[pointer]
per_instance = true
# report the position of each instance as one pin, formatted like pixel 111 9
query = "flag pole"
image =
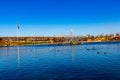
pixel 17 33
pixel 18 50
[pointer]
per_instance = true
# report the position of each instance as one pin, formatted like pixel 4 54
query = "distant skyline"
pixel 57 17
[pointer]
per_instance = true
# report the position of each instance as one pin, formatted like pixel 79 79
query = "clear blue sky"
pixel 57 17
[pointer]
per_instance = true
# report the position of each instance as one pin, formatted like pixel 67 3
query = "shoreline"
pixel 60 40
pixel 63 44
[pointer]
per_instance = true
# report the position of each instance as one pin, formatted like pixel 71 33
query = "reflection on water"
pixel 72 54
pixel 18 52
pixel 79 62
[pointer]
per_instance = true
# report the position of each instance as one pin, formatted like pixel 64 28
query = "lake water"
pixel 100 61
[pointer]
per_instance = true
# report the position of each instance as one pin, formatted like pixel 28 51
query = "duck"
pixel 105 52
pixel 87 49
pixel 98 52
pixel 93 48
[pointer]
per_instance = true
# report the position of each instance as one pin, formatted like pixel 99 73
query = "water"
pixel 80 62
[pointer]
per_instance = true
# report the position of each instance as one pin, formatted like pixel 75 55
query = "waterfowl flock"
pixel 94 48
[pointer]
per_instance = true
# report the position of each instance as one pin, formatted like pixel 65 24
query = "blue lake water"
pixel 100 61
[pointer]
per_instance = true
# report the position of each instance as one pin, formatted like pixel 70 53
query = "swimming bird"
pixel 58 50
pixel 93 48
pixel 98 52
pixel 105 52
pixel 87 48
pixel 30 50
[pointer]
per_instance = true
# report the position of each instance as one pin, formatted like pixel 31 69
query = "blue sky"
pixel 57 17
